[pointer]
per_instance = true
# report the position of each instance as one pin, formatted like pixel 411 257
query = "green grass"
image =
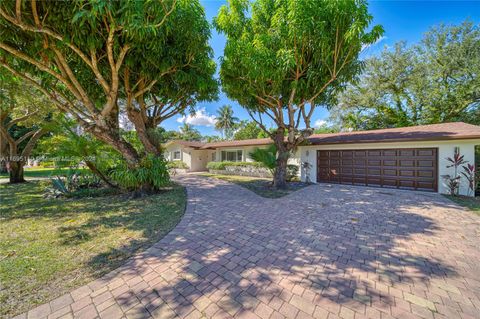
pixel 472 203
pixel 260 186
pixel 50 246
pixel 39 172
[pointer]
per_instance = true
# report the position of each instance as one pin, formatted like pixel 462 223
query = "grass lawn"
pixel 472 203
pixel 50 246
pixel 40 172
pixel 261 186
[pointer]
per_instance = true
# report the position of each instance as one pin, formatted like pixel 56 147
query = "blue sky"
pixel 402 20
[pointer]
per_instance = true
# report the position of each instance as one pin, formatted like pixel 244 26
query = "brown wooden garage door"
pixel 414 168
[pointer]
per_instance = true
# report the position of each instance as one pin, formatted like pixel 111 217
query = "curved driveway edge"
pixel 326 251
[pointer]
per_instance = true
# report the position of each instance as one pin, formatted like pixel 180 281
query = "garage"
pixel 405 168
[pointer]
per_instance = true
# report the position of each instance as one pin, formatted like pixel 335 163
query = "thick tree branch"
pixel 32 142
pixel 79 114
pixel 44 30
pixel 167 13
pixel 20 119
pixel 24 137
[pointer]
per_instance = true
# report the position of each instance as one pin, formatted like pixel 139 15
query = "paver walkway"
pixel 323 252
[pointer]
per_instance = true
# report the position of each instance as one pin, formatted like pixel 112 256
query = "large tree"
pixel 247 130
pixel 92 58
pixel 284 58
pixel 434 81
pixel 24 117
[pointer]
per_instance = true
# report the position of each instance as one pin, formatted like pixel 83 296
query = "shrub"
pixel 292 172
pixel 453 181
pixel 222 165
pixel 266 156
pixel 47 164
pixel 70 182
pixel 152 173
pixel 177 164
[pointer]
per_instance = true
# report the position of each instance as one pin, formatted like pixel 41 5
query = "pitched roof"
pixel 443 131
pixel 250 142
pixel 192 144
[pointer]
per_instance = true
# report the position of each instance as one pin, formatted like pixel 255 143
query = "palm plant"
pixel 226 121
pixel 266 156
pixel 189 133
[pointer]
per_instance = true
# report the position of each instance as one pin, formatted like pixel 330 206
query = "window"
pixel 177 155
pixel 232 156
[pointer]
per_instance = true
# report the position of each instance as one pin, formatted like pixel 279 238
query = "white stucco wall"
pixel 185 154
pixel 445 149
pixel 199 160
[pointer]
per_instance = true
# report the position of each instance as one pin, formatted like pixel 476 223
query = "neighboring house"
pixel 406 158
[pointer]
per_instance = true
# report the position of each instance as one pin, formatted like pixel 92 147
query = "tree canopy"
pixel 433 81
pixel 25 115
pixel 93 57
pixel 284 58
pixel 247 130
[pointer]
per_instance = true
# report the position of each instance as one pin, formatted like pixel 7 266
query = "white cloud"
pixel 201 117
pixel 382 38
pixel 319 123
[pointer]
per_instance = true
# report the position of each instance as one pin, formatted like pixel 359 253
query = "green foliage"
pixel 72 181
pixel 282 59
pixel 59 185
pixel 292 172
pixel 211 138
pixel 122 54
pixel 177 164
pixel 47 164
pixel 433 81
pixel 189 133
pixel 247 130
pixel 266 156
pixel 289 48
pixel 325 129
pixel 151 172
pixel 226 122
pixel 222 165
pixel 25 117
pixel 70 241
pixel 453 181
pixel 68 147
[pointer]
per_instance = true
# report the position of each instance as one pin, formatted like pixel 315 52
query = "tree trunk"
pixel 142 128
pixel 280 174
pixel 16 172
pixel 125 149
pixel 97 172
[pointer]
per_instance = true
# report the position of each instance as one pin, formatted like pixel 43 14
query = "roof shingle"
pixel 443 131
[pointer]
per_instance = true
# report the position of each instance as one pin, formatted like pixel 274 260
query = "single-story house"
pixel 412 158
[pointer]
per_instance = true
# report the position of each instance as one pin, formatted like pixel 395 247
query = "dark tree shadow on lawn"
pixel 252 251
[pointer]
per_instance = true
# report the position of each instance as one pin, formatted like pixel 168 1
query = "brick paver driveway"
pixel 323 252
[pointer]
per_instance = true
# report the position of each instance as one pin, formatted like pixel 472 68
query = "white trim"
pixel 179 157
pixel 236 150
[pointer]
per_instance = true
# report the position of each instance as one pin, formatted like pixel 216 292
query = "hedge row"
pixel 177 164
pixel 221 165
